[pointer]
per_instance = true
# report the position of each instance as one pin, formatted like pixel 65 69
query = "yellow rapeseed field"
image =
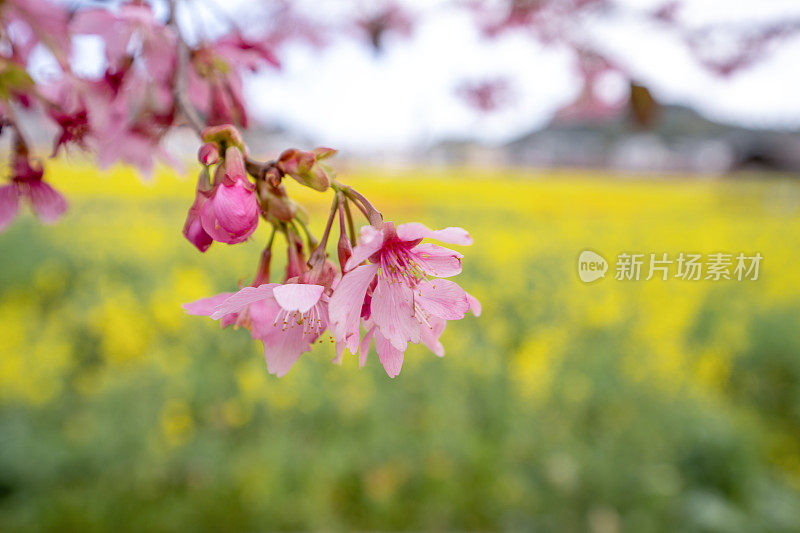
pixel 617 405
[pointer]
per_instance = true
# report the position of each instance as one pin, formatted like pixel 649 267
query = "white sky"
pixel 347 96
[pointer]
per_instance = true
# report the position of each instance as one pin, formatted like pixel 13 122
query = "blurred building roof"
pixel 678 140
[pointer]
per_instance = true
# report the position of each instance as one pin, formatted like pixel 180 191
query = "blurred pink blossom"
pixel 132 26
pixel 26 183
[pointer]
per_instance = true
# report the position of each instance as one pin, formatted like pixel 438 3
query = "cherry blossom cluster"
pixel 152 82
pixel 389 285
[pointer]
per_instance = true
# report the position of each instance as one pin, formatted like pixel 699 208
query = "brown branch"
pixel 180 94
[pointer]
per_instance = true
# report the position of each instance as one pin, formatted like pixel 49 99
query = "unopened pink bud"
pixel 295 260
pixel 344 249
pixel 324 153
pixel 234 165
pixel 231 213
pixel 262 275
pixel 303 167
pixel 193 227
pixel 208 154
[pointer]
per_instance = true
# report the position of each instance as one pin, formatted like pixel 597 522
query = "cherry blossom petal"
pixel 340 346
pixel 370 241
pixel 474 305
pixel 206 306
pixel 262 315
pixel 235 208
pixel 158 54
pixel 346 303
pixel 234 165
pixel 283 348
pixel 242 299
pixel 391 358
pixel 429 335
pixel 437 261
pixel 193 231
pixel 93 22
pixel 298 296
pixel 414 231
pixel 9 204
pixel 231 216
pixel 47 203
pixel 363 350
pixel 442 298
pixel 393 313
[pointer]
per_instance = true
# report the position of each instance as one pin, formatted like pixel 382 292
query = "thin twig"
pixel 319 254
pixel 312 242
pixel 351 229
pixel 180 94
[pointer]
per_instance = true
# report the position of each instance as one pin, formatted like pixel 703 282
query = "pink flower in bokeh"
pixel 26 183
pixel 46 22
pixel 215 83
pixel 132 145
pixel 74 128
pixel 286 318
pixel 230 214
pixel 242 53
pixel 120 116
pixel 397 291
pixel 133 24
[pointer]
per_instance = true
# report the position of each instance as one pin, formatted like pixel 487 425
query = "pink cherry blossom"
pixel 243 53
pixel 47 24
pixel 397 289
pixel 74 128
pixel 230 214
pixel 133 146
pixel 121 116
pixel 286 318
pixel 215 83
pixel 26 183
pixel 133 24
pixel 390 357
pixel 207 306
